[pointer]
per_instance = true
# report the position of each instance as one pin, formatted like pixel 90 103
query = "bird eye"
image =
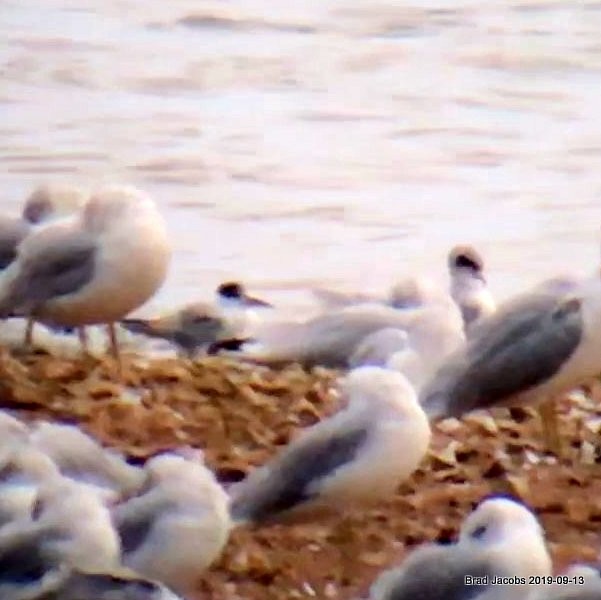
pixel 479 532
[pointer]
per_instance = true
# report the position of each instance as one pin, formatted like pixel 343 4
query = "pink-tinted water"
pixel 335 143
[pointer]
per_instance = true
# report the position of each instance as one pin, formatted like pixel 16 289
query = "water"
pixel 339 144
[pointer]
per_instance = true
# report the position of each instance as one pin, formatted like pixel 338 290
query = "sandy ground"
pixel 240 415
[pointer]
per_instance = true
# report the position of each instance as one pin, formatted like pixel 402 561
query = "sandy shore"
pixel 240 415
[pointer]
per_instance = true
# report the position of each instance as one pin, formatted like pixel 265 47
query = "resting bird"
pixel 70 527
pixel 80 457
pixel 46 202
pixel 361 453
pixel 468 285
pixel 23 470
pixel 78 585
pixel 177 525
pixel 196 326
pixel 500 538
pixel 331 339
pixel 534 348
pixel 93 269
pixel 190 329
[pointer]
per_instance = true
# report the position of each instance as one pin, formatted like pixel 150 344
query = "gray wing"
pixel 88 586
pixel 23 559
pixel 61 269
pixel 331 339
pixel 135 520
pixel 12 232
pixel 190 336
pixel 508 353
pixel 435 573
pixel 293 475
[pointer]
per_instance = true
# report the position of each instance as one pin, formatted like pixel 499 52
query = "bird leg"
pixel 28 339
pixel 547 412
pixel 82 334
pixel 343 536
pixel 115 347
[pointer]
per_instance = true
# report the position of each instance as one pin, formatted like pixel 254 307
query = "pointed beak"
pixel 252 301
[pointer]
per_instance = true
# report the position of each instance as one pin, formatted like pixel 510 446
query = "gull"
pixel 70 526
pixel 360 454
pixel 536 347
pixel 71 584
pixel 46 203
pixel 468 285
pixel 501 538
pixel 177 525
pixel 23 469
pixel 53 201
pixel 93 269
pixel 80 457
pixel 330 339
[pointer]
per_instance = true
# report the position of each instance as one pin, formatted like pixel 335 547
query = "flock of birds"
pixel 77 522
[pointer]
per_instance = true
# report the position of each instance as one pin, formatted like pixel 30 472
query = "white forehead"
pixel 501 516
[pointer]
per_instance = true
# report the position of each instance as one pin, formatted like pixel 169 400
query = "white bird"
pixel 361 453
pixel 93 269
pixel 78 585
pixel 52 201
pixel 71 527
pixel 79 523
pixel 534 348
pixel 23 469
pixel 330 339
pixel 501 538
pixel 46 203
pixel 178 524
pixel 469 288
pixel 80 457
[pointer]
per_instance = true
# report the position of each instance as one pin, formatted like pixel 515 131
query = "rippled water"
pixel 328 143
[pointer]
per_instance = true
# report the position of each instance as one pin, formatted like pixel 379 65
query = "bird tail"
pixel 142 326
pixel 435 404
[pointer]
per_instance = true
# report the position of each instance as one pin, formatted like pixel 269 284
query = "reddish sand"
pixel 240 415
